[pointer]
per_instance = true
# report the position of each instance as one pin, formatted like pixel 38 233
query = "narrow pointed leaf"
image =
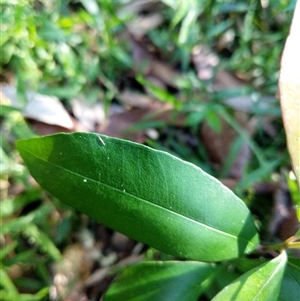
pixel 261 283
pixel 157 280
pixel 148 195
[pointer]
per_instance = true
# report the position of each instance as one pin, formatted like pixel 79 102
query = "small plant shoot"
pixel 159 200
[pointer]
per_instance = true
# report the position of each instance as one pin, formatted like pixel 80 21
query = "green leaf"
pixel 224 276
pixel 148 195
pixel 168 281
pixel 261 283
pixel 290 288
pixel 9 290
pixel 7 249
pixel 159 93
pixel 42 240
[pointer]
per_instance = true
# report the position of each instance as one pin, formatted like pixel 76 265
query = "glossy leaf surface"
pixel 157 280
pixel 261 283
pixel 290 288
pixel 148 195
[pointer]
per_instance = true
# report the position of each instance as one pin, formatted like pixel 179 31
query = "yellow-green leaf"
pixel 259 284
pixel 289 84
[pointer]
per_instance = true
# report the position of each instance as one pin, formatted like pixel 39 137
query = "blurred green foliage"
pixel 64 47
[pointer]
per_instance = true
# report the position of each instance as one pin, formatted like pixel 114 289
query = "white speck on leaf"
pixel 100 139
pixel 84 180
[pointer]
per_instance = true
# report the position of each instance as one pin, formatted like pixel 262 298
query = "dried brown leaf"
pixel 146 63
pixel 219 145
pixel 42 108
pixel 70 273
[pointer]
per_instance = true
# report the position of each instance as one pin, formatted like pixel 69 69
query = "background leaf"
pixel 149 195
pixel 168 281
pixel 260 283
pixel 289 84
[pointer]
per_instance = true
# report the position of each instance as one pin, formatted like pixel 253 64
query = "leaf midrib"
pixel 261 290
pixel 140 199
